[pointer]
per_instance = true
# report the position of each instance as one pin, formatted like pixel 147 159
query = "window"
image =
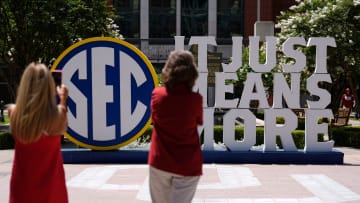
pixel 194 18
pixel 162 20
pixel 128 19
pixel 230 18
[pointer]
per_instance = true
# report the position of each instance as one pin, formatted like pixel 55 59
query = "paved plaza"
pixel 268 183
pixel 221 183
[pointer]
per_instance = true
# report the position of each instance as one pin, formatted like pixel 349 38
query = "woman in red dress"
pixel 175 155
pixel 37 123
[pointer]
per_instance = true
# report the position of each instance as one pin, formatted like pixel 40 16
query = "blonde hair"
pixel 180 68
pixel 35 107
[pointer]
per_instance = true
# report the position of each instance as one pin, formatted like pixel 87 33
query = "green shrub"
pixel 6 140
pixel 6 120
pixel 280 120
pixel 343 136
pixel 347 136
pixel 298 136
pixel 260 115
pixel 301 124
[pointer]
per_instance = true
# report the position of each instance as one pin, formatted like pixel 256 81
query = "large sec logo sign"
pixel 110 83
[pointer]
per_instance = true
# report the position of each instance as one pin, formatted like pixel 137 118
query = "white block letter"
pixel 289 51
pixel 236 62
pixel 253 80
pixel 128 69
pixel 282 90
pixel 208 129
pixel 313 88
pixel 78 120
pixel 312 129
pixel 221 88
pixel 271 130
pixel 202 50
pixel 201 87
pixel 103 93
pixel 321 44
pixel 270 54
pixel 249 130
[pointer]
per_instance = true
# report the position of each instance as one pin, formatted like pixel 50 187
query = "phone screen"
pixel 57 77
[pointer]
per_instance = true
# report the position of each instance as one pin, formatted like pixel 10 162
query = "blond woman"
pixel 37 123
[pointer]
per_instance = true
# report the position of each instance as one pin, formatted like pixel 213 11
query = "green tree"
pixel 328 18
pixel 40 30
pixel 267 78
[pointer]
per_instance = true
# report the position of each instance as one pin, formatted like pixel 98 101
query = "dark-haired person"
pixel 175 155
pixel 347 99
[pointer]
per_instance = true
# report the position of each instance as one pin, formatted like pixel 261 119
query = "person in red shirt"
pixel 347 99
pixel 37 123
pixel 175 155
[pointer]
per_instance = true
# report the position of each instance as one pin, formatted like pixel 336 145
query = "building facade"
pixel 152 24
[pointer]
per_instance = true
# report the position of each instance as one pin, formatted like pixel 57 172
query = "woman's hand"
pixel 10 108
pixel 63 93
pixel 60 124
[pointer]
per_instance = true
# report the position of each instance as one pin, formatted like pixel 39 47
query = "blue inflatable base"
pixel 129 156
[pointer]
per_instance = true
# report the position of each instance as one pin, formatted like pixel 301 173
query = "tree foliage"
pixel 40 30
pixel 339 19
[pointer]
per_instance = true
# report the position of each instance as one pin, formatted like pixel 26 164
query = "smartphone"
pixel 57 75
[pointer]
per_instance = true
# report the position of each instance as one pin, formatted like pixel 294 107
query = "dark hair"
pixel 180 68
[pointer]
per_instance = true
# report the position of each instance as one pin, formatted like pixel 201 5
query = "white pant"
pixel 168 187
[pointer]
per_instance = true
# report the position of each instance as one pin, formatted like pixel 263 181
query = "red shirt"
pixel 38 172
pixel 347 100
pixel 175 145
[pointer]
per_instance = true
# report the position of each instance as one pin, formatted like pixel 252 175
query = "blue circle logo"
pixel 110 83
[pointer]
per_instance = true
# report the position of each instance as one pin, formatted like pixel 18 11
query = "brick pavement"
pixel 246 183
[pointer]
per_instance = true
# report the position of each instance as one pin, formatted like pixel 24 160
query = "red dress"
pixel 175 145
pixel 38 172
